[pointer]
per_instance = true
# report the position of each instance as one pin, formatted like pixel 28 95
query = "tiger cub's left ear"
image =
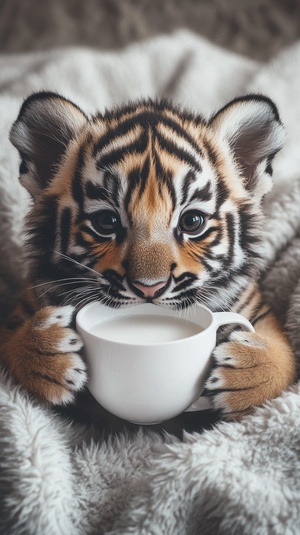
pixel 46 124
pixel 252 128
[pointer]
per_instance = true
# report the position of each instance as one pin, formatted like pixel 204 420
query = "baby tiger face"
pixel 147 202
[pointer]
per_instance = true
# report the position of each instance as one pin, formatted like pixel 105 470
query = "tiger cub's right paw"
pixel 44 357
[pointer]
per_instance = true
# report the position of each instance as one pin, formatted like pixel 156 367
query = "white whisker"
pixel 71 280
pixel 70 259
pixel 76 297
pixel 80 291
pixel 55 286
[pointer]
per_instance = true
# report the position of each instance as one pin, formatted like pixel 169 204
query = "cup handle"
pixel 220 318
pixel 224 318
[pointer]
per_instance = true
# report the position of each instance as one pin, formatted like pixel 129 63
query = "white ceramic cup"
pixel 147 383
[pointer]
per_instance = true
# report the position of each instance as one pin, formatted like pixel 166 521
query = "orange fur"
pixel 145 166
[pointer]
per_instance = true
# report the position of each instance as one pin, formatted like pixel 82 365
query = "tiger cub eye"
pixel 106 222
pixel 191 221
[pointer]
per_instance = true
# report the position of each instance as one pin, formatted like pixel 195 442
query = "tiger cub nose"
pixel 149 290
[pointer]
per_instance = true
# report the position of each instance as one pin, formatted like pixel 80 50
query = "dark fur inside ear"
pixel 46 124
pixel 252 128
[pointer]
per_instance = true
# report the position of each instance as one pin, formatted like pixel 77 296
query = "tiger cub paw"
pixel 47 363
pixel 243 377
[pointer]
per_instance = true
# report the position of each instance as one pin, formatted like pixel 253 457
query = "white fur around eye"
pixel 93 205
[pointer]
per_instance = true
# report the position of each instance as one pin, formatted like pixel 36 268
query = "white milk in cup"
pixel 147 364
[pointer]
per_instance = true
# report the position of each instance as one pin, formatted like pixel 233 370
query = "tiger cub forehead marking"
pixel 154 154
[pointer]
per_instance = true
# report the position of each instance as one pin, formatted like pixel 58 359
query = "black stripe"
pixel 244 304
pixel 138 146
pixel 181 132
pixel 222 191
pixel 77 187
pixel 112 292
pixel 146 119
pixel 203 194
pixel 180 153
pixel 178 236
pixel 189 179
pixel 269 168
pixel 137 178
pixel 134 181
pixel 183 285
pixel 212 155
pixel 217 239
pixel 221 279
pixel 205 264
pixel 96 192
pixel 210 256
pixel 121 235
pixel 64 229
pixel 250 226
pixel 231 231
pixel 261 316
pixel 144 174
pixel 42 228
pixel 184 299
pixel 109 190
pixel 112 185
pixel 114 278
pixel 164 176
pixel 125 127
pixel 205 234
pixel 185 275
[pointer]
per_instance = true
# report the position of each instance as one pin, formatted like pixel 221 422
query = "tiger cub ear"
pixel 252 128
pixel 46 124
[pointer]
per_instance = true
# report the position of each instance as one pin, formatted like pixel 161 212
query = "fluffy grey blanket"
pixel 238 478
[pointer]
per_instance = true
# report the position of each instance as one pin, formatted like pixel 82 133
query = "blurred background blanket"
pixel 63 477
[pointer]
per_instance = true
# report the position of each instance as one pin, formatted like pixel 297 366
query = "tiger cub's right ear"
pixel 46 124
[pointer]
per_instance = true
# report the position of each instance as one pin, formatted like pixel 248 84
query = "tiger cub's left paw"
pixel 244 376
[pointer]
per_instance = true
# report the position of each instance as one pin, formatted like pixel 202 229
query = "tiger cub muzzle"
pixel 149 269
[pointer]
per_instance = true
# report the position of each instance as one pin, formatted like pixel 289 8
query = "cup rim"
pixel 141 344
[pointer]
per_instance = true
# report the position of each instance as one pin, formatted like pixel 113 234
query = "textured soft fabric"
pixel 238 478
pixel 259 28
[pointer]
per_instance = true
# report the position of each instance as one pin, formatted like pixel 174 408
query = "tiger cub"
pixel 146 203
